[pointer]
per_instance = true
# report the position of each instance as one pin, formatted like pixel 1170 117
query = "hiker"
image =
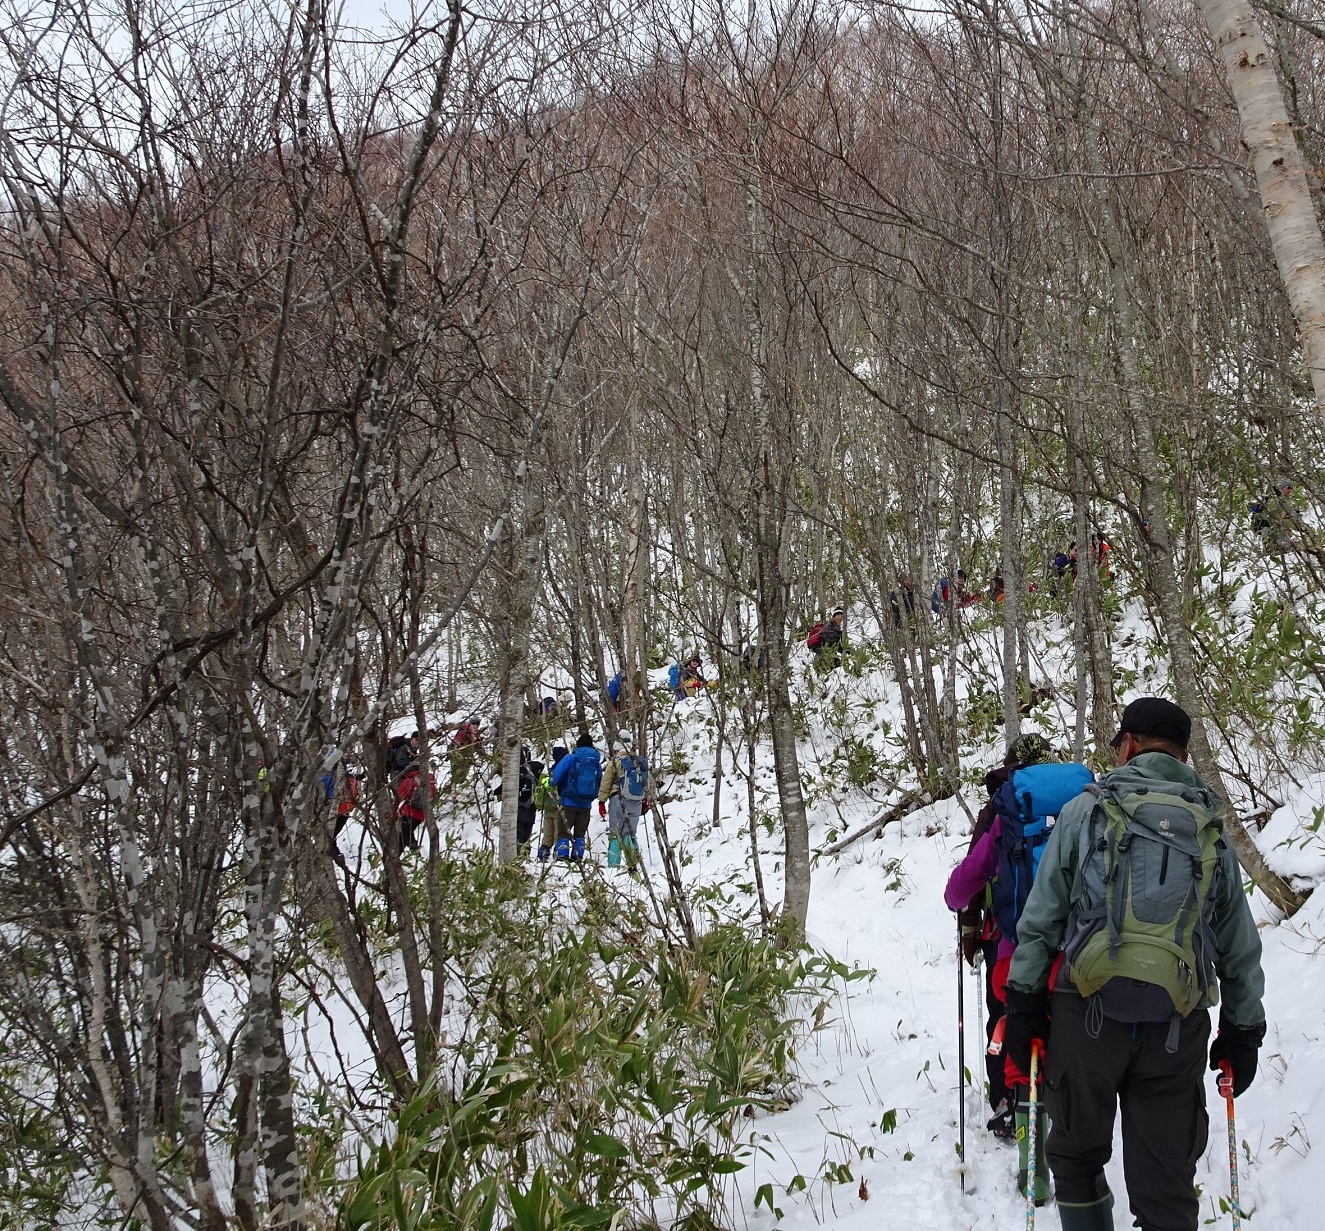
pixel 401 753
pixel 341 785
pixel 577 777
pixel 410 805
pixel 949 592
pixel 623 798
pixel 829 638
pixel 1116 969
pixel 967 893
pixel 530 772
pixel 1026 794
pixel 687 678
pixel 614 689
pixel 547 801
pixel 1100 549
pixel 903 596
pixel 466 747
pixel 1065 562
pixel 997 590
pixel 754 658
pixel 1272 517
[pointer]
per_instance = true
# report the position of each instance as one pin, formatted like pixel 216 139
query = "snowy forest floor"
pixel 880 1104
pixel 872 1140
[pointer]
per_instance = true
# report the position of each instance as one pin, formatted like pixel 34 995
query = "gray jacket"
pixel 1042 924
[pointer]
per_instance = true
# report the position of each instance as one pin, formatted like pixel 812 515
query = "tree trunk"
pixel 1158 544
pixel 527 554
pixel 770 514
pixel 1281 174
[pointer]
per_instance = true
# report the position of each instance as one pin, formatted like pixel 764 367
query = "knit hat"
pixel 585 740
pixel 1029 749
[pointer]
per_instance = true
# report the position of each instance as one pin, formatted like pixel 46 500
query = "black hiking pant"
pixel 524 824
pixel 1094 1066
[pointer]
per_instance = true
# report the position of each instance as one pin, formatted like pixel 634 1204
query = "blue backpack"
pixel 634 777
pixel 585 777
pixel 1028 802
pixel 674 678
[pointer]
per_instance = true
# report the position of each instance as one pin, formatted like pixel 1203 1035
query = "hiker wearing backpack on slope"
pixel 546 800
pixel 968 892
pixel 692 676
pixel 525 810
pixel 1272 517
pixel 410 805
pixel 1132 969
pixel 466 748
pixel 578 777
pixel 341 791
pixel 622 798
pixel 827 640
pixel 1003 862
pixel 401 753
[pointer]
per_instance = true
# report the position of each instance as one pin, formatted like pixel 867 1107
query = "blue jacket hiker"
pixel 578 777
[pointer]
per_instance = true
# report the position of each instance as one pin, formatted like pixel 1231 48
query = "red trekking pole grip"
pixel 1225 1082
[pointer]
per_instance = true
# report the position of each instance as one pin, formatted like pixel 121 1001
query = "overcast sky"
pixel 376 14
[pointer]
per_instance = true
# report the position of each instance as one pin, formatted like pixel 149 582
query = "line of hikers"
pixel 1110 917
pixel 566 790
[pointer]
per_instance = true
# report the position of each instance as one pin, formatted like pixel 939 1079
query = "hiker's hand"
pixel 970 945
pixel 646 805
pixel 602 808
pixel 1239 1045
pixel 1028 1023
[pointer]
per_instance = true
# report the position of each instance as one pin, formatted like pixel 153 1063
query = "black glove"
pixel 1028 1020
pixel 1238 1045
pixel 970 944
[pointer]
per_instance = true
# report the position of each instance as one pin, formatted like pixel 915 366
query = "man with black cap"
pixel 1117 1038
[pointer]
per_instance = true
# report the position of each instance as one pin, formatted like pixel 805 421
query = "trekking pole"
pixel 1032 1133
pixel 1226 1089
pixel 961 1060
pixel 978 967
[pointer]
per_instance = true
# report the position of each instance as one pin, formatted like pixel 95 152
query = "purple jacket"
pixel 969 878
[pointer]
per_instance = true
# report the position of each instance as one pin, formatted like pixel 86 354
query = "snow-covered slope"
pixel 873 1141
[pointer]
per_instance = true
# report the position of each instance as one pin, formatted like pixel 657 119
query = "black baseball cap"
pixel 1156 717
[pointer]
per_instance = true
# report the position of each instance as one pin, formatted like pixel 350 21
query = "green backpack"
pixel 545 793
pixel 1140 935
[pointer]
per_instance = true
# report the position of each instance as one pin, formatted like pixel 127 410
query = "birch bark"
pixel 1281 173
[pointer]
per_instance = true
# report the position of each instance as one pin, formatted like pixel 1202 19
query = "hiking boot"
pixel 544 852
pixel 1042 1193
pixel 577 850
pixel 562 848
pixel 1003 1123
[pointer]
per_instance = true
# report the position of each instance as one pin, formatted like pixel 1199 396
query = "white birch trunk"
pixel 1281 173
